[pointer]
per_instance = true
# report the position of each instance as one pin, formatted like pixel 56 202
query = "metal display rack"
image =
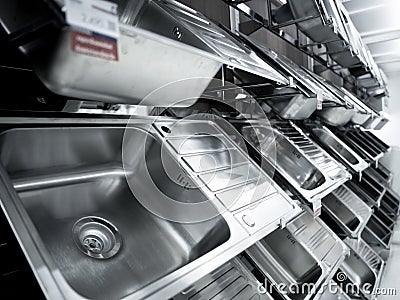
pixel 257 22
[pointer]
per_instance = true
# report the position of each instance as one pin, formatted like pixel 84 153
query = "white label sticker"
pixel 316 207
pixel 320 99
pixel 96 16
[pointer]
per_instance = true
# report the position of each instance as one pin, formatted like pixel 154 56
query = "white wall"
pixel 390 133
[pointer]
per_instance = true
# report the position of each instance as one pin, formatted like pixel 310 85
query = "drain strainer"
pixel 96 237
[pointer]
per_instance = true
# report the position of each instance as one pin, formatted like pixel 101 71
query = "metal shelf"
pixel 257 21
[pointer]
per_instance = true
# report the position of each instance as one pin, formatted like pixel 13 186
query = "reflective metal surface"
pixel 381 176
pixel 364 113
pixel 234 281
pixel 62 174
pixel 355 55
pixel 304 81
pixel 336 116
pixel 364 143
pixel 349 211
pixel 361 111
pixel 337 112
pixel 380 228
pixel 289 105
pixel 326 27
pixel 137 47
pixel 233 53
pixel 180 45
pixel 363 268
pixel 305 252
pixel 96 237
pixel 368 188
pixel 337 148
pixel 390 204
pixel 300 161
pixel 336 293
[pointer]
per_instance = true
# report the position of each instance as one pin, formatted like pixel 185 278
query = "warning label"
pixel 93 45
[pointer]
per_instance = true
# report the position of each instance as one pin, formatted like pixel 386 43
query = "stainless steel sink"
pixel 234 281
pixel 295 167
pixel 91 224
pixel 286 261
pixel 303 164
pixel 378 233
pixel 336 115
pixel 368 188
pixel 180 43
pixel 348 210
pixel 380 175
pixel 288 105
pixel 305 252
pixel 326 26
pixel 103 192
pixel 338 148
pixel 334 292
pixel 390 204
pixel 363 268
pixel 367 145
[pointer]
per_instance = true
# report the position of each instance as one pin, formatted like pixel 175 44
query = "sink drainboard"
pixel 96 237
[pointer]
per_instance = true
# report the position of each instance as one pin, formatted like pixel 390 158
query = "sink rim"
pixel 356 206
pixel 310 195
pixel 325 261
pixel 377 272
pixel 322 266
pixel 55 286
pixel 361 165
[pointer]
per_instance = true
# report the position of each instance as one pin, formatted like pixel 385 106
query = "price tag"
pixel 95 28
pixel 320 99
pixel 291 81
pixel 316 207
pixel 97 16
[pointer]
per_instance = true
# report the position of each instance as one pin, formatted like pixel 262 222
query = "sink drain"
pixel 96 237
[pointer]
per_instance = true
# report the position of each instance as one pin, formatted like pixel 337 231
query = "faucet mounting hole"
pixel 165 129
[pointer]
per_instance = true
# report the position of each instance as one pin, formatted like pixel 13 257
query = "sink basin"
pixel 302 163
pixel 348 210
pixel 286 260
pixel 234 280
pixel 288 160
pixel 363 268
pixel 390 204
pixel 291 256
pixel 338 149
pixel 86 205
pixel 336 116
pixel 335 145
pixel 368 189
pixel 377 233
pixel 343 213
pixel 363 143
pixel 297 166
pixel 54 208
pixel 358 271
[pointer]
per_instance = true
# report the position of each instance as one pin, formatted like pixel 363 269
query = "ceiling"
pixel 378 22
